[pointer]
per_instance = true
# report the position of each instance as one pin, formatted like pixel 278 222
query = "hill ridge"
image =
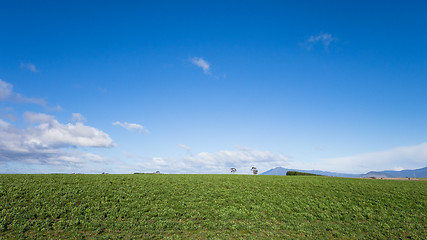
pixel 413 173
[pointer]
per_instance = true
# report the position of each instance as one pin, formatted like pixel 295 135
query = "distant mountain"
pixel 277 171
pixel 416 173
pixel 283 171
pixel 373 174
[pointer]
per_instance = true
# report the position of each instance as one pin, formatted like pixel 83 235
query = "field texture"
pixel 210 206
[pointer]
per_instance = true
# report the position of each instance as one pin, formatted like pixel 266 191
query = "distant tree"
pixel 254 170
pixel 295 173
pixel 233 170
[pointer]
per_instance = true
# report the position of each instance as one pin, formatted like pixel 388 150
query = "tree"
pixel 254 170
pixel 233 170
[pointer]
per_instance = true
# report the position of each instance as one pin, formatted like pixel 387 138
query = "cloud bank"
pixel 242 158
pixel 50 142
pixel 408 157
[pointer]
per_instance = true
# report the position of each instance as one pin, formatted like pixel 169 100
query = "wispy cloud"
pixel 8 113
pixel 408 157
pixel 6 90
pixel 185 147
pixel 202 63
pixel 77 117
pixel 7 94
pixel 29 66
pixel 37 117
pixel 22 99
pixel 324 39
pixel 131 126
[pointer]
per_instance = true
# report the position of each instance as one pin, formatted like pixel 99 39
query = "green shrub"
pixel 295 173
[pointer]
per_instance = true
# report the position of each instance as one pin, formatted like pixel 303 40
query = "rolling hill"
pixel 283 171
pixel 415 173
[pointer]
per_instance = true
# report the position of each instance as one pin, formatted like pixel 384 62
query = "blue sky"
pixel 200 87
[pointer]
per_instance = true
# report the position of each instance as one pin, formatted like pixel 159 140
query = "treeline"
pixel 295 173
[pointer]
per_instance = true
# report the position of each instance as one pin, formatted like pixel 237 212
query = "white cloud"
pixel 7 94
pixel 200 62
pixel 323 38
pixel 29 66
pixel 408 157
pixel 77 117
pixel 50 142
pixel 55 134
pixel 242 158
pixel 131 126
pixel 185 147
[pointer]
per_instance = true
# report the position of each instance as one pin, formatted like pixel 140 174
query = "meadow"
pixel 158 206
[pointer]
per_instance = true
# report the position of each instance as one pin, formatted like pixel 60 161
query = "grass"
pixel 210 206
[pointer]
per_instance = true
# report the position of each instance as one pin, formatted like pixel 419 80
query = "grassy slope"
pixel 207 206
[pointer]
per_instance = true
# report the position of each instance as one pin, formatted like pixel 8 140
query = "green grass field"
pixel 210 206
